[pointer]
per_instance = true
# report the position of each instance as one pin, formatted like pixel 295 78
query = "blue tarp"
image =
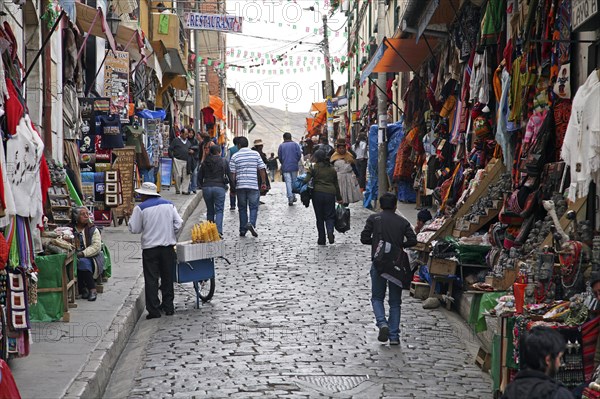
pixel 395 134
pixel 147 114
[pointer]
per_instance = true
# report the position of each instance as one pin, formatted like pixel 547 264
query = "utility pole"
pixel 328 84
pixel 382 178
pixel 197 99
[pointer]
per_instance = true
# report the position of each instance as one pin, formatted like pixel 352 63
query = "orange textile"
pixel 405 165
pixel 216 104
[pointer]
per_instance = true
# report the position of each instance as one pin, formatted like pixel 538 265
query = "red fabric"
pixel 8 386
pixel 208 115
pixel 45 180
pixel 13 107
pixel 589 333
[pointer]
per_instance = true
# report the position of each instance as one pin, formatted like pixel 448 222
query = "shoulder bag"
pixel 390 261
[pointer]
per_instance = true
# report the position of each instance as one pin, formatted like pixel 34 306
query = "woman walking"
pixel 325 193
pixel 213 178
pixel 343 162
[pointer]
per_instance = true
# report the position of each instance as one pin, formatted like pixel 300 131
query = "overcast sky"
pixel 268 28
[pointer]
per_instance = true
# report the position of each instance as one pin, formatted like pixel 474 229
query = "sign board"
pixel 116 82
pixel 218 22
pixel 585 15
pixel 124 159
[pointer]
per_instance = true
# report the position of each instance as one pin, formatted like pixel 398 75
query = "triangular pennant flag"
pixel 294 70
pixel 293 26
pixel 210 62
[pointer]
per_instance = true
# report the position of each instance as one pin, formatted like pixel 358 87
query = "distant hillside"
pixel 270 124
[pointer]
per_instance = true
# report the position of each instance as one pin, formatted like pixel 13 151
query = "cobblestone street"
pixel 291 319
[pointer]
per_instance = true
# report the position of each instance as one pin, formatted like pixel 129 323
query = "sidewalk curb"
pixel 95 375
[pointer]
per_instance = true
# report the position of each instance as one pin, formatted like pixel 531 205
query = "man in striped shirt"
pixel 244 166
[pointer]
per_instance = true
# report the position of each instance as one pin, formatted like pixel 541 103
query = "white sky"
pixel 263 18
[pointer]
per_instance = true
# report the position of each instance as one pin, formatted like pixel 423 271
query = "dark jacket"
pixel 325 179
pixel 179 150
pixel 533 384
pixel 193 159
pixel 394 229
pixel 213 171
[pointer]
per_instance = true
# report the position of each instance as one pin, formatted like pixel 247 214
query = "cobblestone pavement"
pixel 290 319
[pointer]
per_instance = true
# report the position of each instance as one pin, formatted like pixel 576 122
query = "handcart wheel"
pixel 206 289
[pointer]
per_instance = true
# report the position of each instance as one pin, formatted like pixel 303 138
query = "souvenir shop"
pixel 499 134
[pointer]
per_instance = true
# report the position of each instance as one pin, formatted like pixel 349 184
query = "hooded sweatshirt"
pixel 533 384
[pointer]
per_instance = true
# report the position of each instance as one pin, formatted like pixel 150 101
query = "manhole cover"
pixel 334 383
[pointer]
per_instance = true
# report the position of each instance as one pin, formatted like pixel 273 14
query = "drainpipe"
pixel 47 95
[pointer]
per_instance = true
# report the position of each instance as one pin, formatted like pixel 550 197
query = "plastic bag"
pixel 342 219
pixel 298 185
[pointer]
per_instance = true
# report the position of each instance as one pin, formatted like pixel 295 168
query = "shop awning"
pixel 178 82
pixel 318 107
pixel 313 124
pixel 216 104
pixel 398 55
pixel 92 21
pixel 170 60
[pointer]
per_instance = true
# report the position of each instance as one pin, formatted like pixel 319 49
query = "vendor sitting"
pixel 88 244
pixel 423 219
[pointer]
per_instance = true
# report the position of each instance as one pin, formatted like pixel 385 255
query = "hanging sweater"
pixel 581 146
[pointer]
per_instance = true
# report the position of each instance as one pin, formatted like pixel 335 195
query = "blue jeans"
pixel 194 180
pixel 378 288
pixel 215 203
pixel 247 198
pixel 289 178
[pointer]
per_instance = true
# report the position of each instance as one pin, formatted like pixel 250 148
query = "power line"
pixel 263 118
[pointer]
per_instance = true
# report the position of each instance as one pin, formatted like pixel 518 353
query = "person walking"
pixel 272 166
pixel 362 158
pixel 344 164
pixel 326 191
pixel 159 222
pixel 324 145
pixel 289 155
pixel 180 151
pixel 258 147
pixel 244 166
pixel 232 150
pixel 396 230
pixel 213 178
pixel 193 160
pixel 542 349
pixel 88 244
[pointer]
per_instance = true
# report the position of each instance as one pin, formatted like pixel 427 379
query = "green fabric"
pixel 49 306
pixel 487 301
pixel 510 346
pixel 495 366
pixel 107 261
pixel 163 24
pixel 72 192
pixel 13 254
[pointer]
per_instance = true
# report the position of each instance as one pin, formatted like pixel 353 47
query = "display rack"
pixel 67 288
pixel 60 204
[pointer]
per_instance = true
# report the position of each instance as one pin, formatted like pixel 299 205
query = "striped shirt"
pixel 245 164
pixel 158 221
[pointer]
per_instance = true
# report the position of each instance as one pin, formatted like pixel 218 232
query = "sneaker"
pixel 170 312
pixel 295 199
pixel 93 296
pixel 242 234
pixel 232 208
pixel 152 316
pixel 252 230
pixel 177 192
pixel 394 342
pixel 321 242
pixel 291 203
pixel 384 332
pixel 85 294
pixel 331 238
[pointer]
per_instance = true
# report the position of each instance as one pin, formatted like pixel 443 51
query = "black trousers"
pixel 158 264
pixel 85 279
pixel 324 206
pixel 361 165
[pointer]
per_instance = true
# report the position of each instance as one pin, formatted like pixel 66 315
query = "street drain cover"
pixel 334 383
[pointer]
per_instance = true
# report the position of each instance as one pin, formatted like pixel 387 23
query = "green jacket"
pixel 325 179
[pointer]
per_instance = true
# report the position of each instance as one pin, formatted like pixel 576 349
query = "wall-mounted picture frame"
pixel 111 176
pixel 111 199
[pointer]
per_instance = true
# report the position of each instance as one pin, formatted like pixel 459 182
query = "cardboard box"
pixel 443 267
pixel 187 251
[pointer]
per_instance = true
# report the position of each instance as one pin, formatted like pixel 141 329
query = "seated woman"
pixel 88 244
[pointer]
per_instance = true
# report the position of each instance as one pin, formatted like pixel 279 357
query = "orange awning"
pixel 313 125
pixel 399 55
pixel 318 107
pixel 216 104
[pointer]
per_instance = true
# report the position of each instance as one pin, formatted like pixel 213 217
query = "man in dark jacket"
pixel 396 230
pixel 193 160
pixel 542 349
pixel 180 151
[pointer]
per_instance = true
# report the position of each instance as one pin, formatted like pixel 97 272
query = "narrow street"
pixel 291 319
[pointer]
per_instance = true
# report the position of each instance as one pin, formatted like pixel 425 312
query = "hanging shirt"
pixel 13 107
pixel 110 129
pixel 134 136
pixel 581 146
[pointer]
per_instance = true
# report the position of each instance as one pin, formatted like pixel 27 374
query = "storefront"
pixel 498 135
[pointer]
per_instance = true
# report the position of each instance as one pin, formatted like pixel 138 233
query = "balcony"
pixel 170 31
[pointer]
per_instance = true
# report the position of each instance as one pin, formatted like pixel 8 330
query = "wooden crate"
pixel 505 282
pixel 419 290
pixel 483 360
pixel 443 267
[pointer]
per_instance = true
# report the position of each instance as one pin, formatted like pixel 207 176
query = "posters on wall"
pixel 116 82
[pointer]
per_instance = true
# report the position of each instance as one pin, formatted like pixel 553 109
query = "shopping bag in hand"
pixel 342 219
